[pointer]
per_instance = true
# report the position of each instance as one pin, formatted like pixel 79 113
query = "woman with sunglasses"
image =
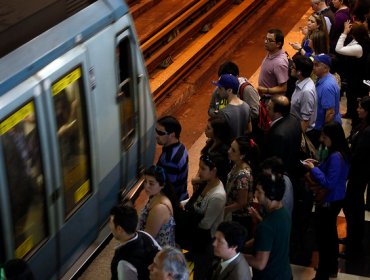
pixel 244 154
pixel 157 217
pixel 208 201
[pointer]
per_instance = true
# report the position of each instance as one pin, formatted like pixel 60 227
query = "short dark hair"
pixel 273 186
pixel 281 104
pixel 303 64
pixel 279 36
pixel 228 67
pixel 126 217
pixel 274 163
pixel 170 124
pixel 235 234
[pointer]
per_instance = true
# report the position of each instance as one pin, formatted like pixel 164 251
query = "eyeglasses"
pixel 161 133
pixel 269 40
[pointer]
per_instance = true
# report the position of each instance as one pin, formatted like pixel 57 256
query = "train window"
pixel 124 93
pixel 73 141
pixel 25 178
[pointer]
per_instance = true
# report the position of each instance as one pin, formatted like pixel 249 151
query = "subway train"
pixel 76 129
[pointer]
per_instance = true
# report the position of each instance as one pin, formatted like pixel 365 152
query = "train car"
pixel 76 130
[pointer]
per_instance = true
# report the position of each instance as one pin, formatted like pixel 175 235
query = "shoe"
pixel 349 255
pixel 331 275
pixel 342 240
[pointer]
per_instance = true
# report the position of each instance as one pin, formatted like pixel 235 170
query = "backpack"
pixel 264 119
pixel 253 96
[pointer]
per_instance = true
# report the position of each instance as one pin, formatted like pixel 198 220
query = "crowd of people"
pixel 272 153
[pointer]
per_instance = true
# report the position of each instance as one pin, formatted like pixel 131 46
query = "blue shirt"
pixel 328 96
pixel 332 175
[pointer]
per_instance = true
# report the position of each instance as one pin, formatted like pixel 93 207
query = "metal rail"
pixel 217 34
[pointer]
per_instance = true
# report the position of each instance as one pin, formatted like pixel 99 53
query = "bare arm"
pixel 280 89
pixel 259 261
pixel 158 215
pixel 240 203
pixel 329 115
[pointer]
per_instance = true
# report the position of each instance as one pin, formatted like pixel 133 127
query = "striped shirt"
pixel 175 161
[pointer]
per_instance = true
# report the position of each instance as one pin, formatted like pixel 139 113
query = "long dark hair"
pixel 365 104
pixel 250 152
pixel 160 175
pixel 335 132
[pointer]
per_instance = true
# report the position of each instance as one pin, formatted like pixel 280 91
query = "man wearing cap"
pixel 328 96
pixel 274 76
pixel 237 113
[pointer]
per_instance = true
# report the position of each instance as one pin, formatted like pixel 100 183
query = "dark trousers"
pixel 203 262
pixel 354 209
pixel 327 238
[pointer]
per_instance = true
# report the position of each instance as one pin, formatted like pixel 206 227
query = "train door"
pixel 69 132
pixel 127 99
pixel 25 177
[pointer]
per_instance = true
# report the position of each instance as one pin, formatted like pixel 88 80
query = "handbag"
pixel 319 192
pixel 308 150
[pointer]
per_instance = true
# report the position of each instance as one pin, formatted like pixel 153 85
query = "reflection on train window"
pixel 124 93
pixel 20 142
pixel 73 141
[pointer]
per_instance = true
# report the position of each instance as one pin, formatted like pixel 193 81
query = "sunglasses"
pixel 161 133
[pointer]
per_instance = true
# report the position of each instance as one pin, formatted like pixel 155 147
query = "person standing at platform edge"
pixel 174 158
pixel 331 175
pixel 270 260
pixel 358 178
pixel 229 240
pixel 328 97
pixel 137 249
pixel 274 76
pixel 237 113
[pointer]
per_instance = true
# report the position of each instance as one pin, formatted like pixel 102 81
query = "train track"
pixel 187 38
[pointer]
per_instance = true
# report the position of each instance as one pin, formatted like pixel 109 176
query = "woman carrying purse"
pixel 331 175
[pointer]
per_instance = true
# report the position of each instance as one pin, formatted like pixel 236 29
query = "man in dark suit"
pixel 284 136
pixel 229 239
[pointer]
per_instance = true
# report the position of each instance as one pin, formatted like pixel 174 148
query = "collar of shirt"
pixel 128 241
pixel 274 55
pixel 224 264
pixel 274 121
pixel 301 84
